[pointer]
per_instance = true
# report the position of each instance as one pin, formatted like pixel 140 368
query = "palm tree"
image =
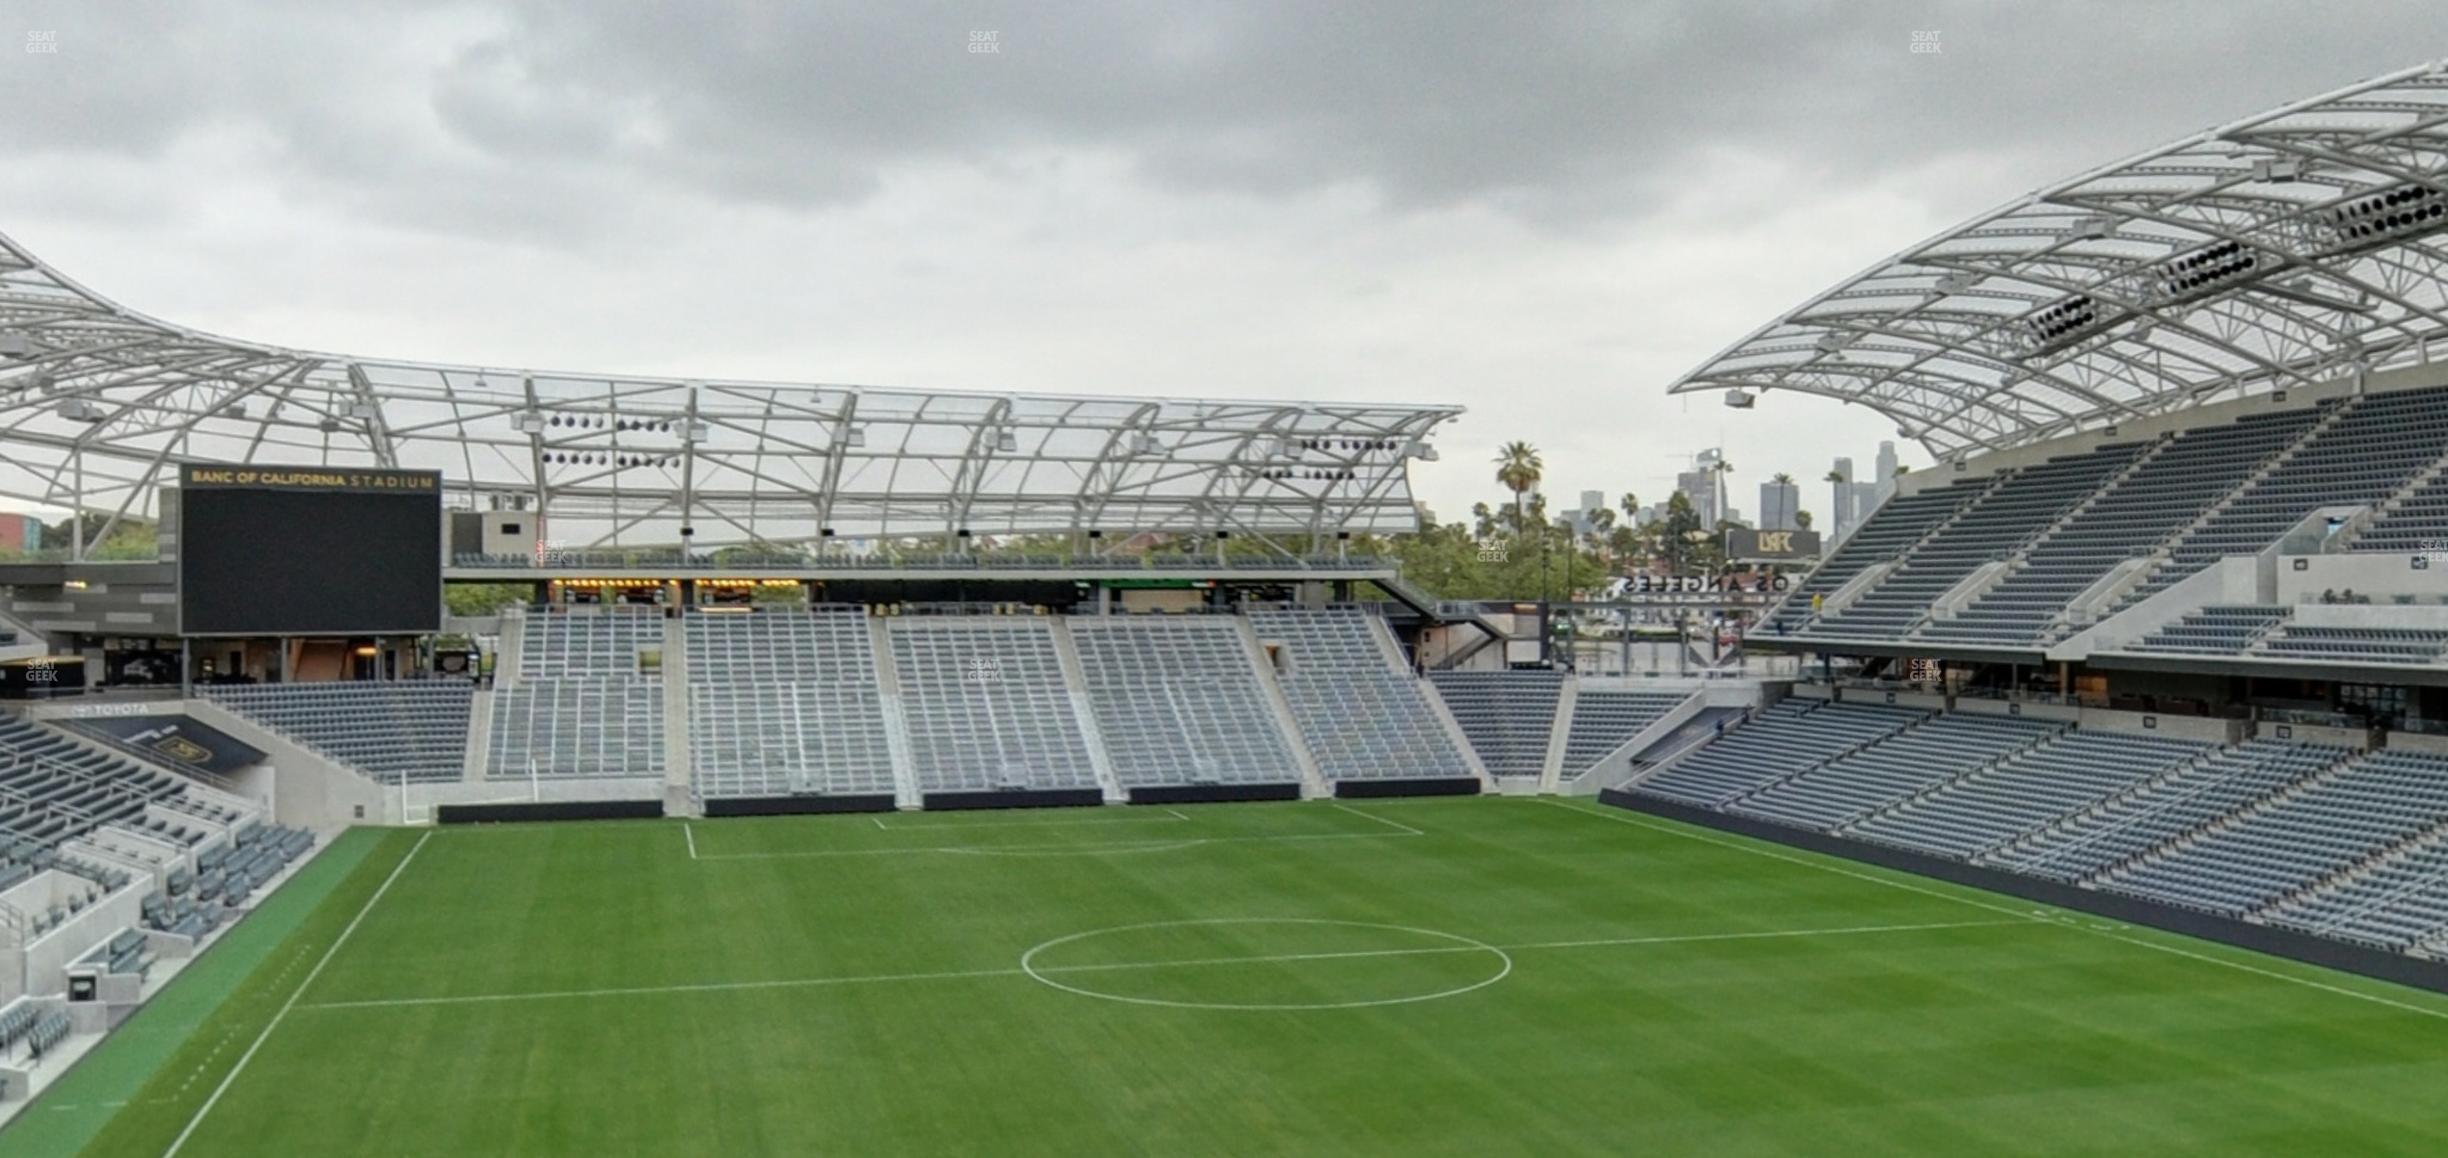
pixel 1518 469
pixel 1802 520
pixel 1721 469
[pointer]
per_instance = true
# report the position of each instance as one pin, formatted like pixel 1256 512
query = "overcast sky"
pixel 1543 212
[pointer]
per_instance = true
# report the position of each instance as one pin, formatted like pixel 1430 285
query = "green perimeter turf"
pixel 1618 985
pixel 73 1110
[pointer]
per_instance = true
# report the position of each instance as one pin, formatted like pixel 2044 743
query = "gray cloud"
pixel 1545 211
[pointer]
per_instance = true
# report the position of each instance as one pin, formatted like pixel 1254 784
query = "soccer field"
pixel 1466 977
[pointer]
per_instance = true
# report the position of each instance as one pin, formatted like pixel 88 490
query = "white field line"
pixel 1116 966
pixel 1635 820
pixel 241 1065
pixel 1145 844
pixel 1175 818
pixel 691 833
pixel 1379 819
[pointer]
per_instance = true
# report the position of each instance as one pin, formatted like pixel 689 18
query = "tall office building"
pixel 1778 502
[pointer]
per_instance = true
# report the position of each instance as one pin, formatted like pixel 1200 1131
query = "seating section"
pixel 2218 630
pixel 2397 903
pixel 1509 716
pixel 987 706
pixel 2184 500
pixel 2299 838
pixel 2364 645
pixel 1912 760
pixel 2372 449
pixel 1898 523
pixel 2161 496
pixel 577 728
pixel 2022 506
pixel 1783 740
pixel 1997 803
pixel 2308 836
pixel 581 703
pixel 1177 700
pixel 785 702
pixel 587 645
pixel 1362 716
pixel 389 730
pixel 53 789
pixel 2193 795
pixel 1605 720
pixel 2418 522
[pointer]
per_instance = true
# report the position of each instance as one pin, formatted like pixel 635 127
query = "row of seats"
pixel 37 1031
pixel 2403 645
pixel 785 702
pixel 53 789
pixel 585 701
pixel 2375 444
pixel 1508 716
pixel 561 728
pixel 1998 802
pixel 1899 523
pixel 1912 760
pixel 1786 738
pixel 2166 492
pixel 2320 827
pixel 1179 699
pixel 2216 630
pixel 1362 715
pixel 987 706
pixel 2184 500
pixel 390 730
pixel 2313 837
pixel 2417 522
pixel 2023 505
pixel 1604 720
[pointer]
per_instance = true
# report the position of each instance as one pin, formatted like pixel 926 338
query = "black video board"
pixel 309 550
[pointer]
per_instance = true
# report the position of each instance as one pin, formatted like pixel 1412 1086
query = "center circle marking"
pixel 1038 973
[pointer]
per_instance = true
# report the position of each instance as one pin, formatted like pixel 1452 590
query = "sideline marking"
pixel 885 978
pixel 1407 829
pixel 691 833
pixel 1629 818
pixel 1639 820
pixel 1049 848
pixel 1176 818
pixel 232 1076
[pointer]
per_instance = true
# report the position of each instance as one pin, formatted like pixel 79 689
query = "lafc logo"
pixel 1776 542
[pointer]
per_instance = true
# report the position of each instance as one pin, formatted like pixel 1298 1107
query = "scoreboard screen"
pixel 309 550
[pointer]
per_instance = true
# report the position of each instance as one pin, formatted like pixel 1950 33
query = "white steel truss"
pixel 99 405
pixel 2294 246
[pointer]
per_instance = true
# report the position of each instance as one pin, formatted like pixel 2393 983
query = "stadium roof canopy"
pixel 99 404
pixel 2290 247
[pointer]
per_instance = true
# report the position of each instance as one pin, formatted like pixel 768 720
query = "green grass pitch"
pixel 1462 977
